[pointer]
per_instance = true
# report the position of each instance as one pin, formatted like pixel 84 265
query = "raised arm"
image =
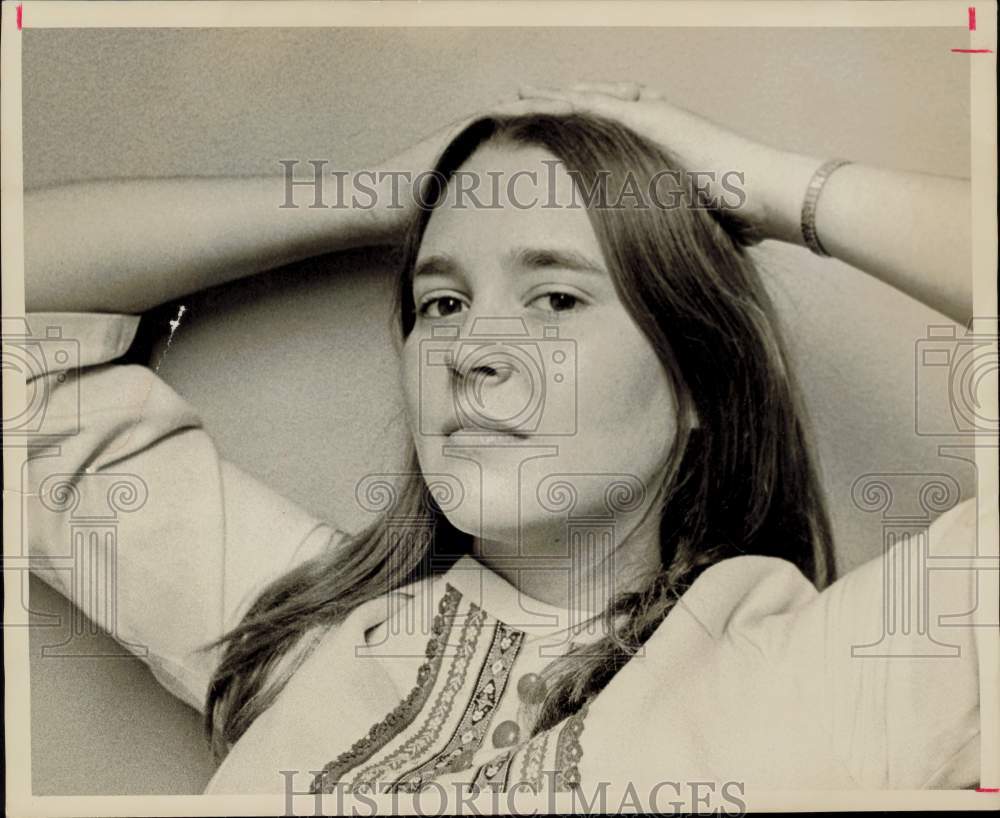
pixel 130 245
pixel 910 230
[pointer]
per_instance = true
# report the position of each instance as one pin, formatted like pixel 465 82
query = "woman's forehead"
pixel 505 198
pixel 507 156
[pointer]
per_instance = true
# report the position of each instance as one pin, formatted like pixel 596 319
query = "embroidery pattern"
pixel 434 723
pixel 534 757
pixel 494 773
pixel 468 736
pixel 405 712
pixel 533 765
pixel 569 751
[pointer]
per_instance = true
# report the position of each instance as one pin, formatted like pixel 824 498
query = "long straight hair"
pixel 740 478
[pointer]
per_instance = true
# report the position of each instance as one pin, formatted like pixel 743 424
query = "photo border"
pixel 440 13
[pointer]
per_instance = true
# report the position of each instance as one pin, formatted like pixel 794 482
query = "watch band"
pixel 813 190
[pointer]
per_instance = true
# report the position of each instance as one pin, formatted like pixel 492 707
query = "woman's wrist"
pixel 782 177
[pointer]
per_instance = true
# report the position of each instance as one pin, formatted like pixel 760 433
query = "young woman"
pixel 631 581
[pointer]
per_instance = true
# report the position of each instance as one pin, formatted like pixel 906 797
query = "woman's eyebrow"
pixel 439 265
pixel 519 259
pixel 535 258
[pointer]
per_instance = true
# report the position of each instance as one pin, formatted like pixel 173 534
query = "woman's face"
pixel 531 392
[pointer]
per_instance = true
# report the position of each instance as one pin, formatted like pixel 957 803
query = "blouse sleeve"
pixel 891 661
pixel 134 516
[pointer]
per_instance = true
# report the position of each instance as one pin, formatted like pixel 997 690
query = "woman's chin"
pixel 498 525
pixel 507 535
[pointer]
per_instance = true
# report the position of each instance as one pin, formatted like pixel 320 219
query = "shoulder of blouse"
pixel 739 591
pixel 768 605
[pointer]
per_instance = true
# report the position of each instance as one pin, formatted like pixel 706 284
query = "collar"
pixel 498 597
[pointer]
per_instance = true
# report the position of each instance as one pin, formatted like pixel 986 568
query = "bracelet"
pixel 813 190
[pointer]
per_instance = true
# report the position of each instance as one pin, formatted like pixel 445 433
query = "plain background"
pixel 294 371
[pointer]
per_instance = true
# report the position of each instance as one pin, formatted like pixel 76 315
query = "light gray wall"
pixel 106 102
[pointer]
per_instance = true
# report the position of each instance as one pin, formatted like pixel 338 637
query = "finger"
pixel 628 91
pixel 621 90
pixel 582 101
pixel 534 105
pixel 538 92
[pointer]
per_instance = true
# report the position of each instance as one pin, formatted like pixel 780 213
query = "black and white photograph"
pixel 500 408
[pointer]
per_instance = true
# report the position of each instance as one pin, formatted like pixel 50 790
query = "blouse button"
pixel 506 734
pixel 531 688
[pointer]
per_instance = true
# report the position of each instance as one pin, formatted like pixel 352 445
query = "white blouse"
pixel 753 677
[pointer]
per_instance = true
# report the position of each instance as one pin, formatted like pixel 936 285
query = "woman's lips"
pixel 486 437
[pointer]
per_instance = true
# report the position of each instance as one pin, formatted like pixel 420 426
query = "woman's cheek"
pixel 621 377
pixel 625 401
pixel 406 380
pixel 410 375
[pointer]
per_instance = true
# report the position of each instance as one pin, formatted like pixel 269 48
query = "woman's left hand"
pixel 773 181
pixel 910 230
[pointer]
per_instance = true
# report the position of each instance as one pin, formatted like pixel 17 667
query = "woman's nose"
pixel 491 389
pixel 485 366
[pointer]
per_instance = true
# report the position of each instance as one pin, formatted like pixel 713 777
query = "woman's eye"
pixel 558 302
pixel 441 307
